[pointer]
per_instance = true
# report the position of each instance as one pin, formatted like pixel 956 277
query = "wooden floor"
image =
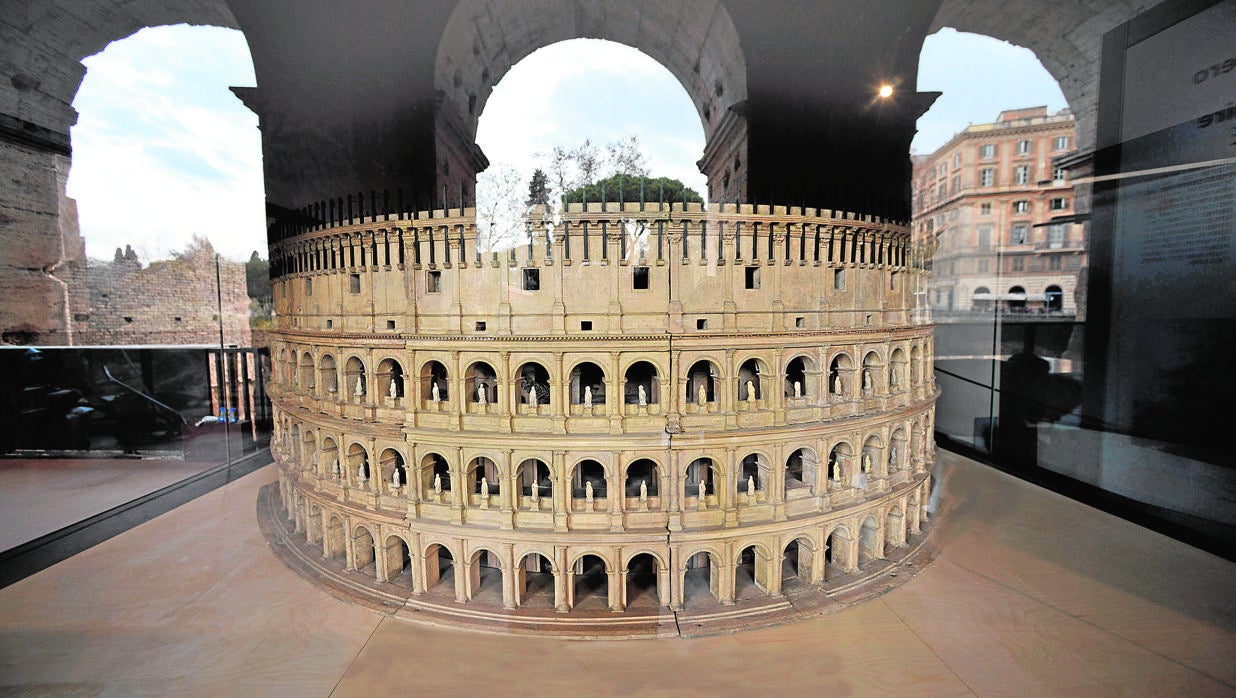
pixel 1031 594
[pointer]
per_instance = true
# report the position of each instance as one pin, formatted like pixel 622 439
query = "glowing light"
pixel 885 91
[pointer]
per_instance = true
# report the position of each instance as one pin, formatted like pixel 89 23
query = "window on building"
pixel 987 151
pixel 1018 234
pixel 1018 263
pixel 1021 174
pixel 956 159
pixel 1055 236
pixel 1059 175
pixel 390 324
pixel 639 278
pixel 753 277
pixel 701 323
pixel 585 325
pixel 985 209
pixel 984 239
pixel 532 279
pixel 308 287
pixel 1021 206
pixel 941 192
pixel 1053 262
pixel 987 177
pixel 433 282
pixel 942 170
pixel 1060 143
pixel 354 283
pixel 1023 147
pixel 480 325
pixel 982 265
pixel 1058 204
pixel 839 280
pixel 956 184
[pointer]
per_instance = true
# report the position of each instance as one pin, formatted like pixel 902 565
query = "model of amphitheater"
pixel 646 411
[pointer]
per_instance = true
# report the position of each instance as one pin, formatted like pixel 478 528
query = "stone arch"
pixel 391 467
pixel 898 450
pixel 800 370
pixel 645 470
pixel 314 525
pixel 1016 303
pixel 585 471
pixel 801 470
pixel 797 559
pixel 433 374
pixel 897 371
pixel 701 577
pixel 840 371
pixel 840 463
pixel 916 365
pixel 485 573
pixel 980 300
pixel 439 561
pixel 590 572
pixel 398 562
pixel 329 457
pixel 1055 298
pixel 587 383
pixel 434 469
pixel 872 458
pixel 894 529
pixel 482 39
pixel 643 571
pixel 309 458
pixel 358 465
pixel 333 545
pixel 702 374
pixel 286 370
pixel 355 379
pixel 700 477
pixel 641 374
pixel 873 366
pixel 534 575
pixel 535 481
pixel 752 570
pixel 364 550
pixel 484 478
pixel 837 545
pixel 308 382
pixel 481 383
pixel 328 376
pixel 754 466
pixel 751 374
pixel 870 541
pixel 390 382
pixel 532 384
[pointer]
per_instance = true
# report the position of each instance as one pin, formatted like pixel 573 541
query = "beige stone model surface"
pixel 644 409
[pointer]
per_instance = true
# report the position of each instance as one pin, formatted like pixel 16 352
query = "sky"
pixel 163 151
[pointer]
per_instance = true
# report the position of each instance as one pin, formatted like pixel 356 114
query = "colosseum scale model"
pixel 646 415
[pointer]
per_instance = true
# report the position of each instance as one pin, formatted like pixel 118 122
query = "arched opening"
pixel 333 545
pixel 435 388
pixel 699 478
pixel 871 372
pixel 749 574
pixel 439 568
pixel 329 380
pixel 700 585
pixel 643 479
pixel 392 469
pixel 313 525
pixel 534 483
pixel 796 562
pixel 356 382
pixel 750 388
pixel 702 383
pixel 801 471
pixel 483 480
pixel 435 475
pixel 643 573
pixel 870 547
pixel 364 554
pixel 481 384
pixel 587 385
pixel 398 563
pixel 796 385
pixel 1055 298
pixel 329 460
pixel 308 452
pixel 898 452
pixel 873 456
pixel 982 299
pixel 588 478
pixel 358 466
pixel 894 530
pixel 485 582
pixel 307 381
pixel 535 581
pixel 1016 299
pixel 591 584
pixel 835 551
pixel 897 371
pixel 916 365
pixel 532 383
pixel 642 387
pixel 839 464
pixel 839 370
pixel 753 473
pixel 390 380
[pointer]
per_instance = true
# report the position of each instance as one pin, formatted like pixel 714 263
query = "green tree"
pixel 655 189
pixel 538 188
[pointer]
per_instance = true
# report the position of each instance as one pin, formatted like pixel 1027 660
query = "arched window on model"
pixel 702 383
pixel 308 382
pixel 391 468
pixel 839 376
pixel 435 476
pixel 753 472
pixel 481 384
pixel 699 477
pixel 641 386
pixel 356 382
pixel 796 384
pixel 532 386
pixel 839 457
pixel 534 484
pixel 434 384
pixel 800 472
pixel 642 475
pixel 585 473
pixel 587 384
pixel 750 374
pixel 483 479
pixel 897 381
pixel 389 385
